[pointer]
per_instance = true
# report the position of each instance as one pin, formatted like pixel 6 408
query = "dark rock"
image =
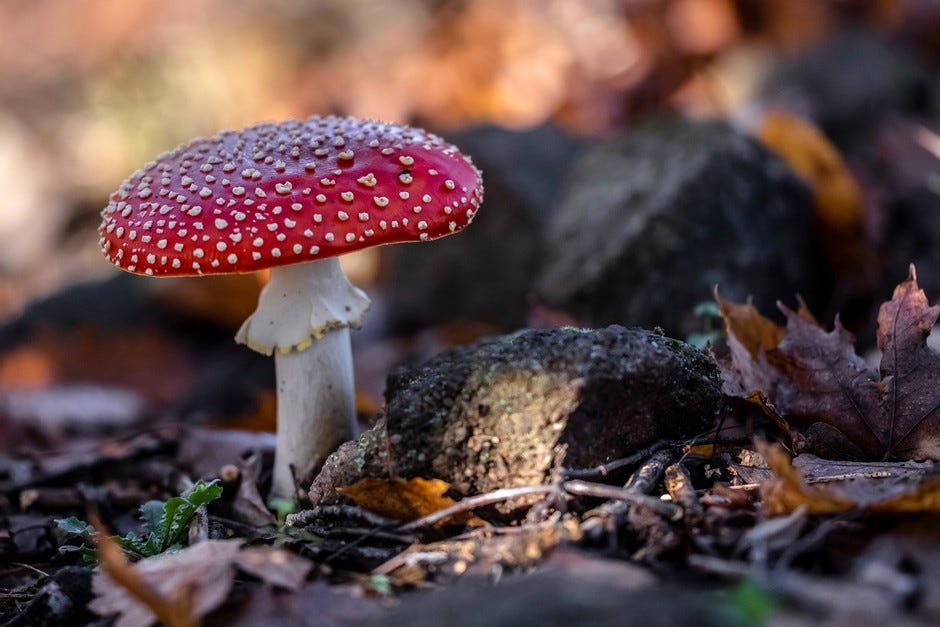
pixel 849 82
pixel 658 216
pixel 484 274
pixel 511 410
pixel 903 175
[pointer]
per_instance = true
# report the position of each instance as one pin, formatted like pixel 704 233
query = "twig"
pixel 607 516
pixel 473 502
pixel 16 596
pixel 648 475
pixel 29 567
pixel 378 534
pixel 307 516
pixel 601 490
pixel 679 486
pixel 605 469
pixel 814 538
pixel 719 566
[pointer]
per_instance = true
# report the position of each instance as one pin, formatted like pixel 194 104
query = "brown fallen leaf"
pixel 406 500
pixel 144 602
pixel 826 486
pixel 180 588
pixel 813 375
pixel 837 199
pixel 818 162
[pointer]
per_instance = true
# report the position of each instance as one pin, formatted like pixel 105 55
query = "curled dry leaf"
pixel 824 486
pixel 406 500
pixel 184 586
pixel 806 150
pixel 837 199
pixel 812 375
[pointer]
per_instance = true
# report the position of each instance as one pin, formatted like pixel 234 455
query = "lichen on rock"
pixel 513 410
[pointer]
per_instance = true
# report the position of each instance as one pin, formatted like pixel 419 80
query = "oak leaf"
pixel 812 375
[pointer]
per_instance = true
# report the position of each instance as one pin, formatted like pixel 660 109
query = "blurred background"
pixel 90 90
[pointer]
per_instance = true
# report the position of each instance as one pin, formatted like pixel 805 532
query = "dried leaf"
pixel 825 486
pixel 788 492
pixel 815 376
pixel 124 590
pixel 249 507
pixel 405 500
pixel 816 160
pixel 186 585
pixel 750 329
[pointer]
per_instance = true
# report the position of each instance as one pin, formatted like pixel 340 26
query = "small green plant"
pixel 750 605
pixel 74 526
pixel 282 533
pixel 381 585
pixel 282 509
pixel 712 330
pixel 165 523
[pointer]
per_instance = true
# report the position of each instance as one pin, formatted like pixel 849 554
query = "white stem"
pixel 316 408
pixel 303 316
pixel 300 304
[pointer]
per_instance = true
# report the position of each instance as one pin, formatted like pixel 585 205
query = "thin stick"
pixel 605 469
pixel 29 567
pixel 601 490
pixel 679 486
pixel 474 502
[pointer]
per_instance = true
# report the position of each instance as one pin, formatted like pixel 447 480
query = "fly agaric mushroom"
pixel 291 197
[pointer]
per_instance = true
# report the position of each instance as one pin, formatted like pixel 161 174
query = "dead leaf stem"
pixel 177 612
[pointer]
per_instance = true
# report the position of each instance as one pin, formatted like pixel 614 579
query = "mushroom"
pixel 291 197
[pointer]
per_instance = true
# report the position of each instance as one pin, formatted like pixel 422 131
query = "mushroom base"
pixel 316 408
pixel 300 304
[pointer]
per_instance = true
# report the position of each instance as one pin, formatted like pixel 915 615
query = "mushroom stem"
pixel 303 316
pixel 316 408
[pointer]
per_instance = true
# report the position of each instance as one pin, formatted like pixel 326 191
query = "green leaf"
pixel 87 555
pixel 151 513
pixel 164 524
pixel 282 507
pixel 179 510
pixel 74 525
pixel 750 605
pixel 706 309
pixel 133 544
pixel 381 584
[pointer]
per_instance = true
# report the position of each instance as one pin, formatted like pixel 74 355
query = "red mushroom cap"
pixel 277 194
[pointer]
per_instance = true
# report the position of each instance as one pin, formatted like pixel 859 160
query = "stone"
pixel 849 83
pixel 658 216
pixel 513 410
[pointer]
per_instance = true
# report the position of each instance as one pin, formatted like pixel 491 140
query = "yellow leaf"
pixel 816 160
pixel 405 500
pixel 884 487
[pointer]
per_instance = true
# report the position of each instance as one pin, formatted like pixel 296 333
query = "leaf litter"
pixel 810 375
pixel 814 381
pixel 726 526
